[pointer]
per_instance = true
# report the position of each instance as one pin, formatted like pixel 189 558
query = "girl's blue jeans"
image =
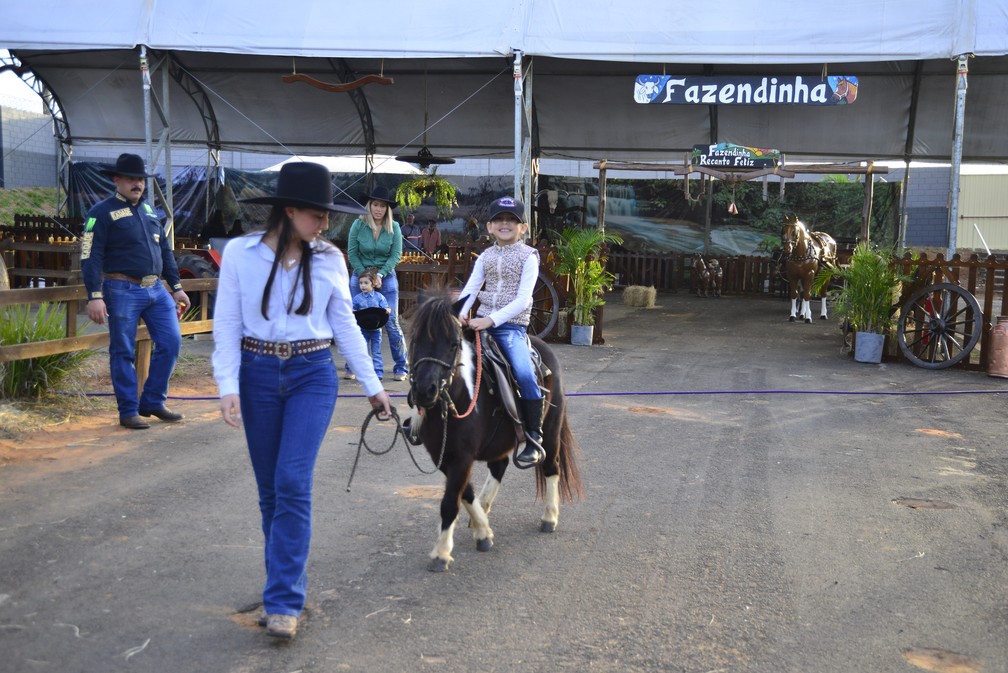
pixel 286 407
pixel 513 341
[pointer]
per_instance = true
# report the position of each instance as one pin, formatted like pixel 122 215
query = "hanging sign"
pixel 727 155
pixel 727 90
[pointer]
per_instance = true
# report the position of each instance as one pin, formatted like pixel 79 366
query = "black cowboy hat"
pixel 131 165
pixel 381 194
pixel 371 318
pixel 304 184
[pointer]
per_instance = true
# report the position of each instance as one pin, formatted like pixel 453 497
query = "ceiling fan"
pixel 424 158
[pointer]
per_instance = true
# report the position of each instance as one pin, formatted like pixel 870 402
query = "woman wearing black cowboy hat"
pixel 375 242
pixel 282 299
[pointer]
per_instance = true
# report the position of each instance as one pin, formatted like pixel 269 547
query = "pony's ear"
pixel 457 306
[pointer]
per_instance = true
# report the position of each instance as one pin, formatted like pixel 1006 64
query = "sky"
pixel 16 93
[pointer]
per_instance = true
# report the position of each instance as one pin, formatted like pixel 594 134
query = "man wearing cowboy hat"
pixel 124 255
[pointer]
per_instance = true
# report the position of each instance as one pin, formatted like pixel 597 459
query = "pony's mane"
pixel 434 318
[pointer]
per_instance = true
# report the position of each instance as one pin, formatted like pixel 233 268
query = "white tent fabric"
pixel 451 65
pixel 649 31
pixel 356 164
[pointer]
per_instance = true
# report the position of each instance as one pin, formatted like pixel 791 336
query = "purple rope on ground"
pixel 782 391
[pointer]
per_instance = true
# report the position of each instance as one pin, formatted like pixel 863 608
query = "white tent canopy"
pixel 356 164
pixel 451 63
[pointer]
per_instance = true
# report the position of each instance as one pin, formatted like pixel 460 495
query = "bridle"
pixel 443 396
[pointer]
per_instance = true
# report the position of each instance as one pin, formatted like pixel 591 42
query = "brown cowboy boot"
pixel 532 414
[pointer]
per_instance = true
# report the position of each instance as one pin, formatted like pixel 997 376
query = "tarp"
pixel 452 68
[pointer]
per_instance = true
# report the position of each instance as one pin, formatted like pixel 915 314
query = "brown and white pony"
pixel 444 377
pixel 804 253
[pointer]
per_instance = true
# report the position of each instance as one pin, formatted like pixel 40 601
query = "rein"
pixel 443 394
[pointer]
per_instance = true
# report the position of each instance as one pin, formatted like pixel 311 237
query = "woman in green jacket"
pixel 375 242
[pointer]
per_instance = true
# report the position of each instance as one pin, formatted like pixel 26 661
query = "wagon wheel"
pixel 545 307
pixel 194 266
pixel 938 326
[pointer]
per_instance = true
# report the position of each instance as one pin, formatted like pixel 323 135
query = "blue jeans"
pixel 390 290
pixel 373 339
pixel 126 304
pixel 286 407
pixel 513 341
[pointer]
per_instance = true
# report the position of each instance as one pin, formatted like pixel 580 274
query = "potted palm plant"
pixel 579 254
pixel 867 298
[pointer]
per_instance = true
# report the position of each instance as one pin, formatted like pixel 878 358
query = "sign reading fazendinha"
pixel 727 155
pixel 699 90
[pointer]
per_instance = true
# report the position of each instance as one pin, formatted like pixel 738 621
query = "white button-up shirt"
pixel 245 268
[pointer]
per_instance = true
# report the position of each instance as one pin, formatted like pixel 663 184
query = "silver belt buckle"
pixel 283 350
pixel 148 281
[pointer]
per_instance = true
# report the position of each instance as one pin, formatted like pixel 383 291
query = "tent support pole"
pixel 164 143
pixel 517 72
pixel 962 70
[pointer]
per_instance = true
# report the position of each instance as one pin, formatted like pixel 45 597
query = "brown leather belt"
pixel 146 281
pixel 284 350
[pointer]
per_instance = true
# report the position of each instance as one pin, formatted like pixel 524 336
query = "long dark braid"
pixel 280 223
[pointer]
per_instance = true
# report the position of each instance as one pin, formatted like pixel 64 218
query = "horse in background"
pixel 715 276
pixel 804 254
pixel 445 376
pixel 700 275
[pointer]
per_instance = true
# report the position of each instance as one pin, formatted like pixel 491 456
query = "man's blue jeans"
pixel 390 290
pixel 126 304
pixel 286 407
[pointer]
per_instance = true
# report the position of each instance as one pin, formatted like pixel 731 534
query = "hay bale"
pixel 638 295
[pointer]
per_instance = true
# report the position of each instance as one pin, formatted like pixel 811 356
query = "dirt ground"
pixel 81 424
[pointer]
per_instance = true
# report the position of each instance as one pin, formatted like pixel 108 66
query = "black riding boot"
pixel 532 414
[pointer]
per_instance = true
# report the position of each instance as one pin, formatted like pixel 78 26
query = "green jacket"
pixel 364 251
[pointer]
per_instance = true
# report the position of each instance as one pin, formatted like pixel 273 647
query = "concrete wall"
pixel 27 149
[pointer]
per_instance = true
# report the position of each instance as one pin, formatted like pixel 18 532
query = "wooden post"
pixel 866 210
pixel 143 356
pixel 602 195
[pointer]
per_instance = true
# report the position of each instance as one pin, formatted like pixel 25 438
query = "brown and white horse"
pixel 804 253
pixel 700 276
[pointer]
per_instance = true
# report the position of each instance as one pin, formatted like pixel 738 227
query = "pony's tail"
pixel 571 487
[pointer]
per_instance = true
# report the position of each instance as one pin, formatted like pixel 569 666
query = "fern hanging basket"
pixel 414 190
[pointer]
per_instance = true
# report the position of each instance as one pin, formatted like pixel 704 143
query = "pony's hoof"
pixel 547 527
pixel 808 321
pixel 486 544
pixel 791 319
pixel 438 565
pixel 822 317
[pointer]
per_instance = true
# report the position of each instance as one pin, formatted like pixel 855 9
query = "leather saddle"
pixel 501 381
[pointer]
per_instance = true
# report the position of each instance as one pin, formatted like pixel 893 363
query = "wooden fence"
pixel 743 275
pixel 73 340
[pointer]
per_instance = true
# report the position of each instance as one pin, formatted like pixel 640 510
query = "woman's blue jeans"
pixel 513 341
pixel 127 303
pixel 286 407
pixel 390 290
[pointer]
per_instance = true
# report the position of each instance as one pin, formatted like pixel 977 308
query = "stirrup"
pixel 537 449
